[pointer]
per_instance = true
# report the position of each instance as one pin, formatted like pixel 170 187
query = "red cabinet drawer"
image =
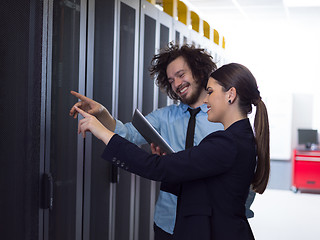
pixel 306 169
pixel 307 174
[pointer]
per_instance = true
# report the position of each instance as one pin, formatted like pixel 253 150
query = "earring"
pixel 229 101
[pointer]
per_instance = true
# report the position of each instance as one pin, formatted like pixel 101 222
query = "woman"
pixel 215 176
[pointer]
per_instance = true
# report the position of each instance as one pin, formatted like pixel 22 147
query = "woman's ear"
pixel 232 94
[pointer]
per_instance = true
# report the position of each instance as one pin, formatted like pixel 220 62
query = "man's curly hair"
pixel 198 60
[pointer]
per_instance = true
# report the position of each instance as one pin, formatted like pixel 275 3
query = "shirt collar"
pixel 185 107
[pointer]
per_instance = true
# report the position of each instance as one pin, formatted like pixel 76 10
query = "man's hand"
pixel 86 104
pixel 156 150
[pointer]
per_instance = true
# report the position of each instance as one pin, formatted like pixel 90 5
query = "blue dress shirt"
pixel 171 122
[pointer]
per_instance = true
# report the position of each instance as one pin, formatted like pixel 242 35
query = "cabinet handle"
pixel 311 182
pixel 47 191
pixel 310 159
pixel 114 175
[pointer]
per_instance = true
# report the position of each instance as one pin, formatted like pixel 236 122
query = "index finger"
pixel 83 113
pixel 80 96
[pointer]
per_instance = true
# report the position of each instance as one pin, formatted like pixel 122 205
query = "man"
pixel 183 73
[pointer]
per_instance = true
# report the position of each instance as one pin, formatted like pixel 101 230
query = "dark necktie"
pixel 191 126
pixel 175 188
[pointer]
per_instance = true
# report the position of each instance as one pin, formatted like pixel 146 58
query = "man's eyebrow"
pixel 177 73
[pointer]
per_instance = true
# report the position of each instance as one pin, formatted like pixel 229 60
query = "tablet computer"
pixel 149 133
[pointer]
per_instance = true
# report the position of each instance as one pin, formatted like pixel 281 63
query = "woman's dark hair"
pixel 198 60
pixel 238 76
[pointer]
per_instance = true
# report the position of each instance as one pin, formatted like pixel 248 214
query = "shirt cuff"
pixel 119 126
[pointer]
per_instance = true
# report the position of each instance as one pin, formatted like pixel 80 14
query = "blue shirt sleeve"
pixel 129 132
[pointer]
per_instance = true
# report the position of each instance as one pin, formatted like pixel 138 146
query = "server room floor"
pixel 284 215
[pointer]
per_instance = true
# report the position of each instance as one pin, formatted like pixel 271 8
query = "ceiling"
pixel 228 12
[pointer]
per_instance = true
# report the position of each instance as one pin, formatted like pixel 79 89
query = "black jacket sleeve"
pixel 214 155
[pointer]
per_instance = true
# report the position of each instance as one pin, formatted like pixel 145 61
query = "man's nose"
pixel 177 82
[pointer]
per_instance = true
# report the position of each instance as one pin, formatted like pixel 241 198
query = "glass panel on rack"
pixel 164 36
pixel 102 93
pixel 185 40
pixel 177 38
pixel 147 107
pixel 164 39
pixel 126 62
pixel 63 149
pixel 149 50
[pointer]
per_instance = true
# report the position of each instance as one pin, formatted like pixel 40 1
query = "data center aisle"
pixel 284 215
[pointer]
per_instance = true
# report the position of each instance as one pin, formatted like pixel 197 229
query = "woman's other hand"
pixel 90 123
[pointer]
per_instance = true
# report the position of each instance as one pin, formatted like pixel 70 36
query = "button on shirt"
pixel 171 122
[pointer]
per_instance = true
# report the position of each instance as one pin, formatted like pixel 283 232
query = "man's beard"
pixel 194 97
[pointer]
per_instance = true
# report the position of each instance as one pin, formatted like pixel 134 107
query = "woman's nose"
pixel 205 100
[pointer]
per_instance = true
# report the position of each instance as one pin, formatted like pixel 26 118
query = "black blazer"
pixel 215 177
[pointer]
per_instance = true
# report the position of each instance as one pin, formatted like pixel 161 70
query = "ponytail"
pixel 261 128
pixel 238 76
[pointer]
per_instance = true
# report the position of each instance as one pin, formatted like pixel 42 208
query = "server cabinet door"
pixel 126 97
pixel 20 118
pixel 145 189
pixel 63 158
pixel 98 175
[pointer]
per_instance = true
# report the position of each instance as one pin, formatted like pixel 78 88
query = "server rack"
pixel 101 49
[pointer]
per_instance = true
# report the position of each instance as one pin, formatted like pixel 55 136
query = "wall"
pixel 284 59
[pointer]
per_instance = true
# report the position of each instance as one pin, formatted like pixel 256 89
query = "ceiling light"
pixel 302 3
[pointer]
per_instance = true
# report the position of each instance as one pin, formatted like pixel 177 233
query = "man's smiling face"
pixel 182 81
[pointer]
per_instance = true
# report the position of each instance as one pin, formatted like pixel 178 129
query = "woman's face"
pixel 216 100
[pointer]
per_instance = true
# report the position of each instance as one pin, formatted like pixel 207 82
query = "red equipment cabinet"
pixel 306 170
